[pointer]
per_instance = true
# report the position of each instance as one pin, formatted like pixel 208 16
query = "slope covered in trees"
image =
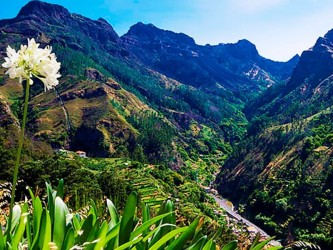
pixel 281 171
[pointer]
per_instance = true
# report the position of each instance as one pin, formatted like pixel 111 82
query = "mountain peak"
pixel 151 33
pixel 38 17
pixel 40 8
pixel 243 49
pixel 246 45
pixel 329 35
pixel 245 42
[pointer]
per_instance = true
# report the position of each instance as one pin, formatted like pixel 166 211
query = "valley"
pixel 160 115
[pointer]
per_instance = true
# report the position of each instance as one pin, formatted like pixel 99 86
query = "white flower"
pixel 32 61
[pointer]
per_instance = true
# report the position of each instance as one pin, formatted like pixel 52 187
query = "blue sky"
pixel 279 28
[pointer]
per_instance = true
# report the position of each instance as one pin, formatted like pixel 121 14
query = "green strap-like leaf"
pixel 126 223
pixel 232 245
pixel 128 244
pixel 262 244
pixel 179 243
pixel 46 231
pixel 102 236
pixel 19 230
pixel 40 239
pixel 50 201
pixel 111 237
pixel 198 235
pixel 16 217
pixel 93 210
pixel 76 222
pixel 60 189
pixel 87 226
pixel 167 237
pixel 198 245
pixel 31 194
pixel 69 240
pixel 145 217
pixel 113 213
pixel 2 239
pixel 36 223
pixel 169 207
pixel 93 234
pixel 60 212
pixel 148 236
pixel 209 245
pixel 148 224
pixel 28 224
pixel 255 241
pixel 166 207
pixel 145 213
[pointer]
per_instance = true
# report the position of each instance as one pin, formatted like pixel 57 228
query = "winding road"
pixel 223 203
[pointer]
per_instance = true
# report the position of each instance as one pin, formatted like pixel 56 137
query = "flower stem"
pixel 18 156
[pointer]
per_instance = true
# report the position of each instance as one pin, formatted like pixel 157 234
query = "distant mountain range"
pixel 236 67
pixel 157 96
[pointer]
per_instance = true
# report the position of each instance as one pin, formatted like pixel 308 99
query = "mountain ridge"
pixel 197 63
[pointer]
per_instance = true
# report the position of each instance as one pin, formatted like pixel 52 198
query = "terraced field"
pixel 148 188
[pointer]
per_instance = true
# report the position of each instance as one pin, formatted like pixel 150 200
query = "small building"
pixel 81 154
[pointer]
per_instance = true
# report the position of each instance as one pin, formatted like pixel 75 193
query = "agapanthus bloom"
pixel 32 61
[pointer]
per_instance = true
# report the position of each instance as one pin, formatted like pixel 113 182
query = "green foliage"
pixel 286 186
pixel 114 186
pixel 74 62
pixel 16 104
pixel 138 154
pixel 53 226
pixel 156 135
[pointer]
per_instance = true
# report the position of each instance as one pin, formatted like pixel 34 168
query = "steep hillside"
pixel 281 172
pixel 94 110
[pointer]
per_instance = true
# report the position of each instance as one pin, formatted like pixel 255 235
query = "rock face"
pixel 95 75
pixel 39 9
pixel 315 65
pixel 6 116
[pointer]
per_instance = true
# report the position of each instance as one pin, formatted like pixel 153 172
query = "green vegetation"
pixel 165 138
pixel 93 178
pixel 53 226
pixel 287 186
